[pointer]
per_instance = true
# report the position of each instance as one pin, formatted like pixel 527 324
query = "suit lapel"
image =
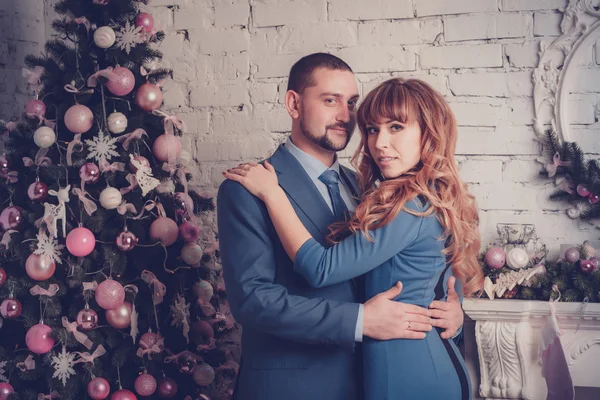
pixel 300 188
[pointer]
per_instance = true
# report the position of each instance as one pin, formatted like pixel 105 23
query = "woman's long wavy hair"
pixel 435 177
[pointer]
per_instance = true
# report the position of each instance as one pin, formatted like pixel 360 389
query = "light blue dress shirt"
pixel 314 168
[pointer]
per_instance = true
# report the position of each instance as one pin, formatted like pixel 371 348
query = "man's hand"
pixel 448 314
pixel 386 319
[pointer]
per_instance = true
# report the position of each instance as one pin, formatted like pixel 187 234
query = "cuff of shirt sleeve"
pixel 358 333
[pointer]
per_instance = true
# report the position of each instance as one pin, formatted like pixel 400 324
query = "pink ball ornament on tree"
pixel 44 137
pixel 117 123
pixel 81 242
pixel 110 294
pixel 495 257
pixel 145 385
pixel 4 163
pixel 187 364
pixel 120 317
pixel 10 308
pixel 98 389
pixel 89 173
pixel 189 232
pixel 79 118
pixel 192 253
pixel 165 230
pixel 572 254
pixel 37 191
pixel 586 266
pixel 166 145
pixel 594 198
pixel 6 390
pixel 149 97
pixel 167 389
pixel 11 218
pixel 123 394
pixel 582 190
pixel 39 267
pixel 204 375
pixel 87 319
pixel 144 20
pixel 39 339
pixel 150 340
pixel 124 83
pixel 35 107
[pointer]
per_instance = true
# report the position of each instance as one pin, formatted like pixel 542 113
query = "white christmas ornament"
pixel 117 122
pixel 44 137
pixel 102 147
pixel 191 253
pixel 63 365
pixel 104 37
pixel 48 247
pixel 129 36
pixel 110 198
pixel 143 176
pixel 517 258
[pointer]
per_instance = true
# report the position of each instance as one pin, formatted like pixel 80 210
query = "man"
pixel 299 342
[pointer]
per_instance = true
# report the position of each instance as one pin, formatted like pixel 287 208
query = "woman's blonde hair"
pixel 435 177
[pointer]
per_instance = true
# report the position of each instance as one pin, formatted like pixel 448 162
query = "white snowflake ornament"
pixel 129 36
pixel 143 176
pixel 48 247
pixel 3 377
pixel 63 365
pixel 102 147
pixel 181 316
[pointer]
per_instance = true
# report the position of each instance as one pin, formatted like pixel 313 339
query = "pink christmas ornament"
pixel 124 84
pixel 204 375
pixel 89 173
pixel 6 390
pixel 123 394
pixel 202 332
pixel 582 190
pixel 120 317
pixel 117 122
pixel 189 232
pixel 44 137
pixel 37 192
pixel 167 389
pixel 144 20
pixel 2 276
pixel 39 339
pixel 126 241
pixel 184 204
pixel 151 339
pixel 191 253
pixel 110 294
pixel 572 254
pixel 165 146
pixel 145 385
pixel 165 230
pixel 81 242
pixel 87 319
pixel 149 97
pixel 39 267
pixel 10 308
pixel 98 389
pixel 35 107
pixel 495 257
pixel 79 118
pixel 186 364
pixel 4 163
pixel 204 290
pixel 586 266
pixel 595 260
pixel 11 218
pixel 594 198
pixel 143 160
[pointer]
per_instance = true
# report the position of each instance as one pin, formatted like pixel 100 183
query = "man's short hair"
pixel 301 74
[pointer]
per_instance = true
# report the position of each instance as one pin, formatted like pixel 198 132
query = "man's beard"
pixel 323 141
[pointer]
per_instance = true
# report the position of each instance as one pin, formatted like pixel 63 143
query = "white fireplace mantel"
pixel 501 346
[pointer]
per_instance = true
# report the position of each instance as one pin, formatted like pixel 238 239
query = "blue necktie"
pixel 331 179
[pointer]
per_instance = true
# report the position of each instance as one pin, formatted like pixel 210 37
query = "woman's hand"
pixel 260 181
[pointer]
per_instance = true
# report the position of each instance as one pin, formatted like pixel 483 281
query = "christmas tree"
pixel 110 283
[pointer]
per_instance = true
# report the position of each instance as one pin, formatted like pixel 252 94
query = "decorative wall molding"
pixel 580 20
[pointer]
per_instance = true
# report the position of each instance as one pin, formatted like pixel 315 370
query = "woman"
pixel 415 219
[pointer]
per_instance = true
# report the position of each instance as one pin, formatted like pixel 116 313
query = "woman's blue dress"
pixel 408 249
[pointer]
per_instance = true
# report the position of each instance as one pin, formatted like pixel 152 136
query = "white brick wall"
pixel 231 58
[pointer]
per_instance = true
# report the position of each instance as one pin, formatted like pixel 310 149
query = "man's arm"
pixel 249 266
